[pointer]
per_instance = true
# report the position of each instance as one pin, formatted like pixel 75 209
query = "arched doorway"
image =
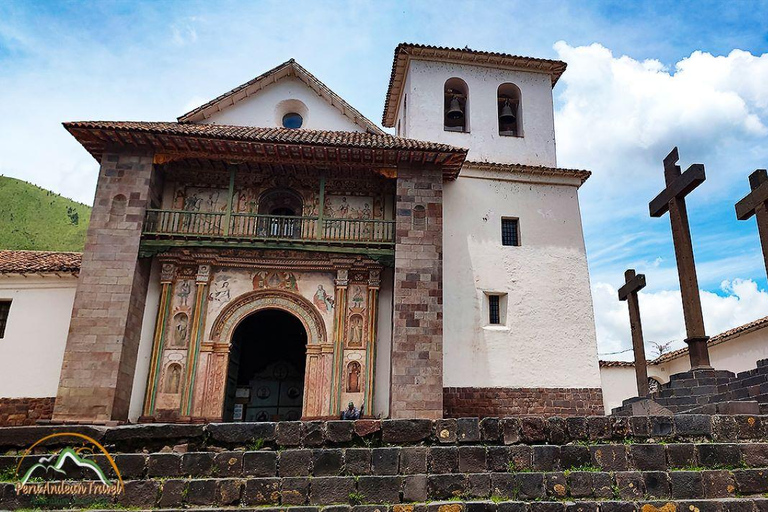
pixel 267 360
pixel 280 204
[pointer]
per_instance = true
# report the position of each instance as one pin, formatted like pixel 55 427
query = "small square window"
pixel 494 309
pixel 5 308
pixel 510 232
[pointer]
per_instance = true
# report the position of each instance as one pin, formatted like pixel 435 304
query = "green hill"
pixel 37 219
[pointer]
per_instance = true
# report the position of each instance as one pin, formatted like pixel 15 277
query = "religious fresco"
pixel 323 300
pixel 180 328
pixel 352 207
pixel 350 202
pixel 278 280
pixel 228 284
pixel 199 199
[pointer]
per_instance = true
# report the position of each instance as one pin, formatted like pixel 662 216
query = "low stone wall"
pixel 499 402
pixel 531 430
pixel 24 411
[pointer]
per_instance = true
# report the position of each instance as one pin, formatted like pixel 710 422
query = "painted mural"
pixel 198 199
pixel 247 197
pixel 228 284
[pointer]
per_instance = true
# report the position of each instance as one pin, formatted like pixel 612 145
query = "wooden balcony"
pixel 168 228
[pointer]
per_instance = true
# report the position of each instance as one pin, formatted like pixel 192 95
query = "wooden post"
pixel 628 292
pixel 230 200
pixel 672 200
pixel 320 209
pixel 756 203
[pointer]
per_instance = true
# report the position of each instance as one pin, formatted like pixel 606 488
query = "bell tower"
pixel 498 106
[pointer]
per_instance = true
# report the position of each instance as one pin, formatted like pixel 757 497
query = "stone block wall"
pixel 417 345
pixel 24 411
pixel 100 356
pixel 498 402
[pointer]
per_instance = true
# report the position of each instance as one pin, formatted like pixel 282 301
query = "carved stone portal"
pixel 317 383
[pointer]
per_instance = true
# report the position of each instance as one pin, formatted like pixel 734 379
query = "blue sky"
pixel 642 77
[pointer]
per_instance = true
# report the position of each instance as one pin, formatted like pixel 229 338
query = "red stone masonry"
pixel 499 402
pixel 417 344
pixel 16 412
pixel 100 356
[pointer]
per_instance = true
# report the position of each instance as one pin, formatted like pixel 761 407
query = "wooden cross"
pixel 628 292
pixel 672 200
pixel 756 203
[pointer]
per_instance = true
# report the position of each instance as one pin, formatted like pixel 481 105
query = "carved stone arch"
pixel 245 305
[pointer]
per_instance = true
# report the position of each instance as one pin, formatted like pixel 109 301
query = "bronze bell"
pixel 454 112
pixel 507 116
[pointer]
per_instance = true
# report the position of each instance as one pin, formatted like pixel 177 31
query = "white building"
pixel 37 290
pixel 736 350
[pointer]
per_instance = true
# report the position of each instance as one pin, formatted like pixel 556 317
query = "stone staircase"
pixel 701 391
pixel 687 462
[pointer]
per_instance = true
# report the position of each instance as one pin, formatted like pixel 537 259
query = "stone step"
pixel 404 461
pixel 631 486
pixel 702 505
pixel 365 433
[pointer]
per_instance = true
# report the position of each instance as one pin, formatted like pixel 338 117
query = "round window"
pixel 292 120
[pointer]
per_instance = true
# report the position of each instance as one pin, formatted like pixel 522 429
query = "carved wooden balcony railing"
pixel 202 228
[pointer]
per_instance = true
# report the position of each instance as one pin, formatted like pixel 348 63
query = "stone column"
pixel 374 283
pixel 339 328
pixel 417 337
pixel 167 275
pixel 195 337
pixel 102 346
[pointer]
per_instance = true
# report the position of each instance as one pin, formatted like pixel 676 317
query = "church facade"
pixel 274 255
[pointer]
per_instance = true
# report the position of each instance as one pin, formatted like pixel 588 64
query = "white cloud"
pixel 739 302
pixel 630 105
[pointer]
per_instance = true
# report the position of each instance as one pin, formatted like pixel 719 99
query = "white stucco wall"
pixel 737 354
pixel 424 87
pixel 267 107
pixel 145 344
pixel 384 346
pixel 32 350
pixel 549 338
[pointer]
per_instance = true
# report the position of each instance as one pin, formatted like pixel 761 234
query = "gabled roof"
pixel 290 68
pixel 39 262
pixel 724 336
pixel 169 141
pixel 406 51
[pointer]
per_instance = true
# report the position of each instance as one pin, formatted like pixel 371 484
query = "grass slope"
pixel 34 218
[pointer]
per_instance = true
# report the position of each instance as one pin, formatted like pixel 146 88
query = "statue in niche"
pixel 180 330
pixel 356 331
pixel 353 377
pixel 172 378
pixel 184 290
pixel 322 300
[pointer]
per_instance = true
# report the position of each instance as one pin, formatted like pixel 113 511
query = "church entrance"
pixel 265 379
